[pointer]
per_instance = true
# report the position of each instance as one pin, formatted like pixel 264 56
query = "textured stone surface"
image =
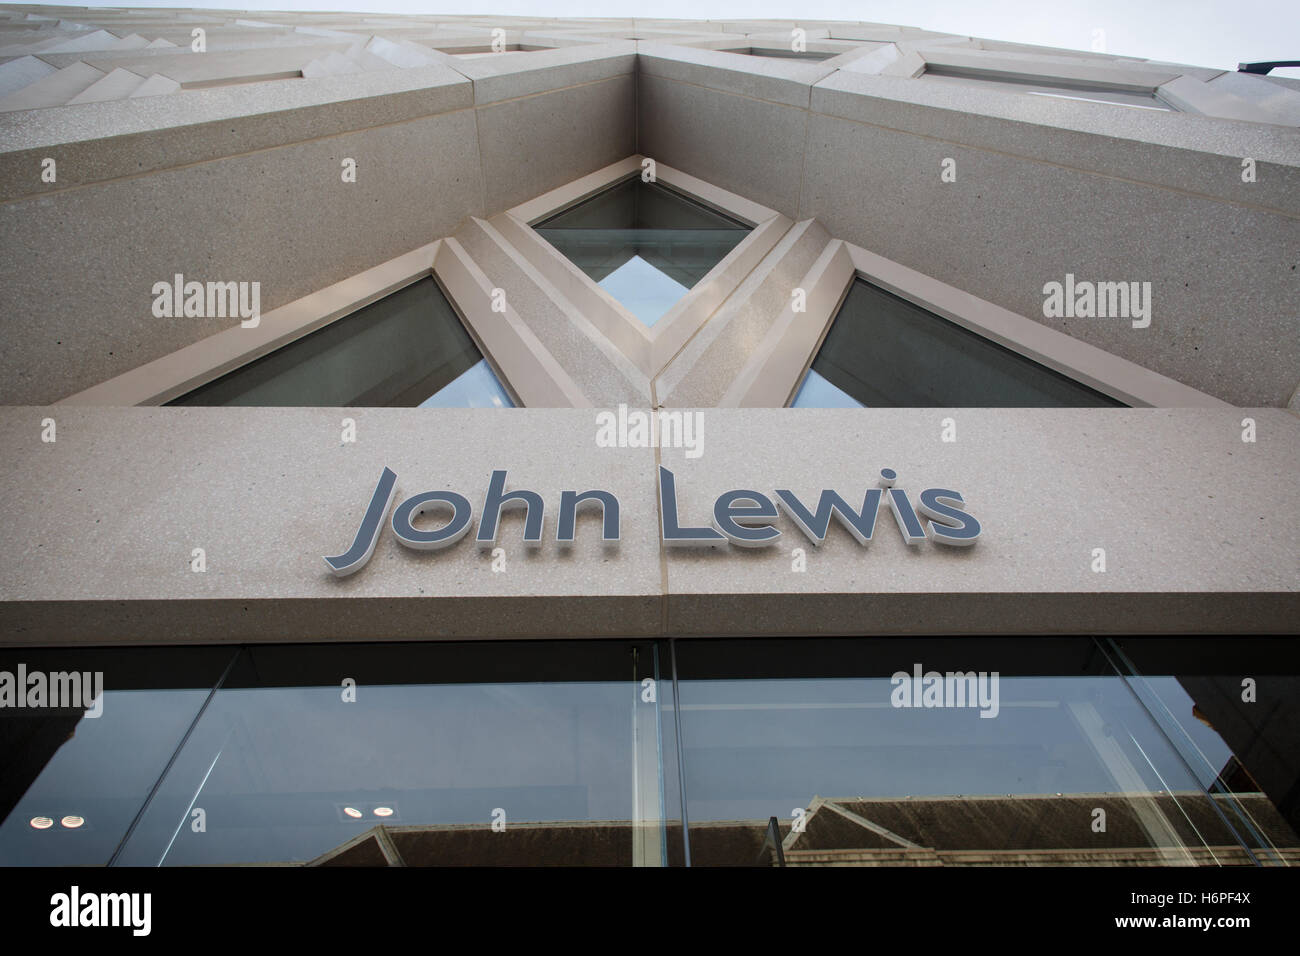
pixel 53 90
pixel 605 376
pixel 702 372
pixel 1201 530
pixel 79 266
pixel 1176 150
pixel 772 79
pixel 530 145
pixel 242 183
pixel 1027 208
pixel 1222 321
pixel 1285 109
pixel 748 146
pixel 22 72
pixel 501 79
pixel 227 176
pixel 102 141
pixel 267 492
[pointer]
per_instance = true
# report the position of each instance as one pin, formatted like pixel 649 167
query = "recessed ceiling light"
pixel 353 812
pixel 71 821
pixel 383 811
pixel 42 823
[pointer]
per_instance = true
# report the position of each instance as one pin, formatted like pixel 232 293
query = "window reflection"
pixel 1080 752
pixel 407 349
pixel 437 755
pixel 1069 767
pixel 60 766
pixel 1232 710
pixel 883 351
pixel 644 243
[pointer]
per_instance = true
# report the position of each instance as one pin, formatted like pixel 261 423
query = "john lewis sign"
pixel 741 517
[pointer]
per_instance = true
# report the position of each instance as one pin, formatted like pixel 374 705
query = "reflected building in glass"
pixel 567 753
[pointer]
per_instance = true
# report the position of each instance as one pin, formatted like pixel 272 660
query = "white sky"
pixel 1215 33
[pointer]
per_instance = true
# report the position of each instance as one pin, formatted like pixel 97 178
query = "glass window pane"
pixel 865 759
pixel 408 349
pixel 477 387
pixel 72 783
pixel 1233 711
pixel 817 392
pixel 643 243
pixel 885 352
pixel 783 54
pixel 1063 89
pixel 554 743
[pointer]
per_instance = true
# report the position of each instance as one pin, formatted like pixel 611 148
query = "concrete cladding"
pixel 1126 521
pixel 321 161
pixel 296 150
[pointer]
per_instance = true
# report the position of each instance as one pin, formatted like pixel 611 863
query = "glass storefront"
pixel 912 752
pixel 862 751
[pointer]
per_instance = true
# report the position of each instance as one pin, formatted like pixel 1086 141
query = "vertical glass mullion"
pixel 681 754
pixel 659 754
pixel 649 811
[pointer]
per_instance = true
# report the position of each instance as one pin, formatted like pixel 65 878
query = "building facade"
pixel 442 440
